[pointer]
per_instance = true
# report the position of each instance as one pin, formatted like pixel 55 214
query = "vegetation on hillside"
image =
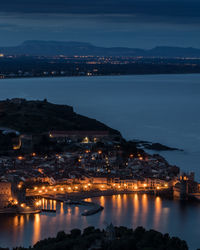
pixel 114 238
pixel 42 116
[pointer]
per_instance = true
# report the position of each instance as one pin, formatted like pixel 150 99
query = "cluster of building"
pixel 86 169
pixel 95 162
pixel 60 65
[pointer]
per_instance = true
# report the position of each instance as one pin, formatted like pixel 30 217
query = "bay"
pixel 157 108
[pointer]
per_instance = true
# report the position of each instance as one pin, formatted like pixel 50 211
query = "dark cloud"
pixel 130 10
pixel 132 23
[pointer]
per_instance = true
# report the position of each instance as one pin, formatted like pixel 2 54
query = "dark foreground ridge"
pixel 113 238
pixel 42 116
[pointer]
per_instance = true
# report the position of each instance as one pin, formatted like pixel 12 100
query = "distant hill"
pixel 53 48
pixel 42 116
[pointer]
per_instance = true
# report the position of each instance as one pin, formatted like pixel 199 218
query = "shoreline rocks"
pixel 154 146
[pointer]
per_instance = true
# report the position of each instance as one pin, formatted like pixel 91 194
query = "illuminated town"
pixel 93 65
pixel 96 164
pixel 99 125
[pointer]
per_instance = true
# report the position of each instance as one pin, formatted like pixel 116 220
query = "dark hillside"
pixel 42 116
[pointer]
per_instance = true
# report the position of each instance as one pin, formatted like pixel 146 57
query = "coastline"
pixel 92 76
pixel 92 194
pixel 81 198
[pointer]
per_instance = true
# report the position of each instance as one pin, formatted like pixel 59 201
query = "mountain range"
pixel 54 48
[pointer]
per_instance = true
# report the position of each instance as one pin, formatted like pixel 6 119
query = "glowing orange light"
pixel 37 203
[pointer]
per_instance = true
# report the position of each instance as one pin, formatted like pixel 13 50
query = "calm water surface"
pixel 179 219
pixel 158 108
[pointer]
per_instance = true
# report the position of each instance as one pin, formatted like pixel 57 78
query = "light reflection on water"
pixel 180 219
pixel 144 208
pixel 136 207
pixel 36 228
pixel 157 214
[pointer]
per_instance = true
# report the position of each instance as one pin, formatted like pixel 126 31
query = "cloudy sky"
pixel 132 23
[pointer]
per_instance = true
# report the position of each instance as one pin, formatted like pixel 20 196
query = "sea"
pixel 155 108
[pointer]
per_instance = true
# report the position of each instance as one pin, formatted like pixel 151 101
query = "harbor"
pixel 138 209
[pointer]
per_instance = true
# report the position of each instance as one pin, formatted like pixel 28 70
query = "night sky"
pixel 132 23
